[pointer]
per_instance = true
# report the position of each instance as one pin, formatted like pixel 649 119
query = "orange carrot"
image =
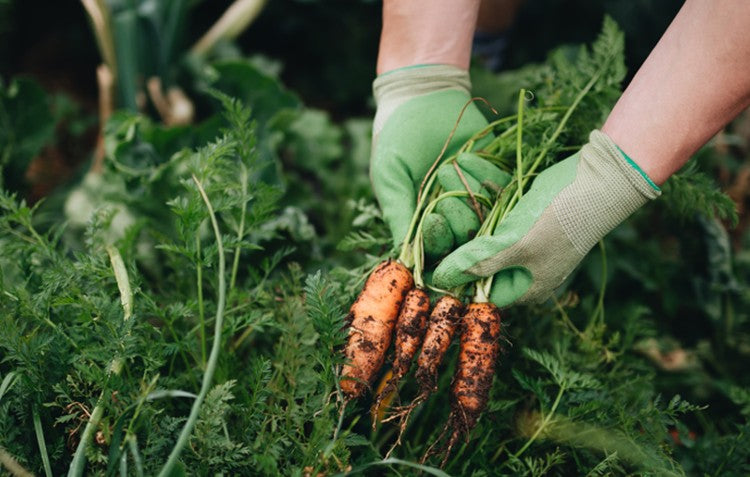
pixel 440 330
pixel 476 363
pixel 372 318
pixel 480 333
pixel 410 329
pixel 441 327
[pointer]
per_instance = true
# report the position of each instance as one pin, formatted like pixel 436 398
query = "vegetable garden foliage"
pixel 635 368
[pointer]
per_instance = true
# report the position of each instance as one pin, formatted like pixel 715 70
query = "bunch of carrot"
pixel 395 301
pixel 390 302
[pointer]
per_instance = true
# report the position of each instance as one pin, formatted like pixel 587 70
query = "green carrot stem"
pixel 406 257
pixel 241 229
pixel 199 284
pixel 418 244
pixel 486 284
pixel 214 356
pixel 519 142
pixel 78 463
pixel 40 441
pixel 543 424
pixel 483 132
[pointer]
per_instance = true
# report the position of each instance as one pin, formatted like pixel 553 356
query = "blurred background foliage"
pixel 677 295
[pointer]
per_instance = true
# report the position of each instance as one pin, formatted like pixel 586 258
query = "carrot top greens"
pixel 121 325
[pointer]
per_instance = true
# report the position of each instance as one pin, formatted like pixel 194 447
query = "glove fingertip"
pixel 447 276
pixel 461 219
pixel 510 286
pixel 437 235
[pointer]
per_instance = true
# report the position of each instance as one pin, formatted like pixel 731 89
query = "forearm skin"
pixel 694 82
pixel 418 32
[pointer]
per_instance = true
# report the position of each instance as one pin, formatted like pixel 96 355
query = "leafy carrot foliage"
pixel 635 368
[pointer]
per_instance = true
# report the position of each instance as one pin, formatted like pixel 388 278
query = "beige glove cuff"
pixel 394 88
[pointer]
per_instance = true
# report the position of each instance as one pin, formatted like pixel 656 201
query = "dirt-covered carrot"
pixel 372 318
pixel 480 345
pixel 480 333
pixel 440 330
pixel 441 327
pixel 410 330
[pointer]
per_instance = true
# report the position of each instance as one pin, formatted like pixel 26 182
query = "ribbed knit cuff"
pixel 394 88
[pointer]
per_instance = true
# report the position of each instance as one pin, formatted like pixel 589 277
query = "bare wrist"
pixel 426 32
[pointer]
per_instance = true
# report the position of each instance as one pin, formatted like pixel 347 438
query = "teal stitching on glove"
pixel 568 209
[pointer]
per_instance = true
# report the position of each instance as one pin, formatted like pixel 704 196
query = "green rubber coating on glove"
pixel 454 269
pixel 437 235
pixel 462 220
pixel 450 180
pixel 408 144
pixel 509 285
pixel 483 170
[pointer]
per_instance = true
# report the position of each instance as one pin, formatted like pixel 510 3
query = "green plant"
pixel 587 384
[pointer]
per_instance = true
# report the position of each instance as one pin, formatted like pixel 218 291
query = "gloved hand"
pixel 455 220
pixel 417 110
pixel 568 209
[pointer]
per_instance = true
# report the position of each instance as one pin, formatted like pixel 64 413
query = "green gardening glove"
pixel 417 110
pixel 568 209
pixel 456 220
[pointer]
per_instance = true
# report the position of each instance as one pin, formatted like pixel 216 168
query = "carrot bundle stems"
pixel 372 318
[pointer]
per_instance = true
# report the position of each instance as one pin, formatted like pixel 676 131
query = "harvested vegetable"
pixel 440 330
pixel 372 318
pixel 480 333
pixel 410 330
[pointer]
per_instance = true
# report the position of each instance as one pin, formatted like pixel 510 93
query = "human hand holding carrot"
pixel 417 110
pixel 568 209
pixel 692 84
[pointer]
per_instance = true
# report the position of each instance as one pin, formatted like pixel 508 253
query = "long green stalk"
pixel 214 356
pixel 240 231
pixel 543 424
pixel 519 142
pixel 126 30
pixel 78 464
pixel 201 309
pixel 484 285
pixel 40 441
